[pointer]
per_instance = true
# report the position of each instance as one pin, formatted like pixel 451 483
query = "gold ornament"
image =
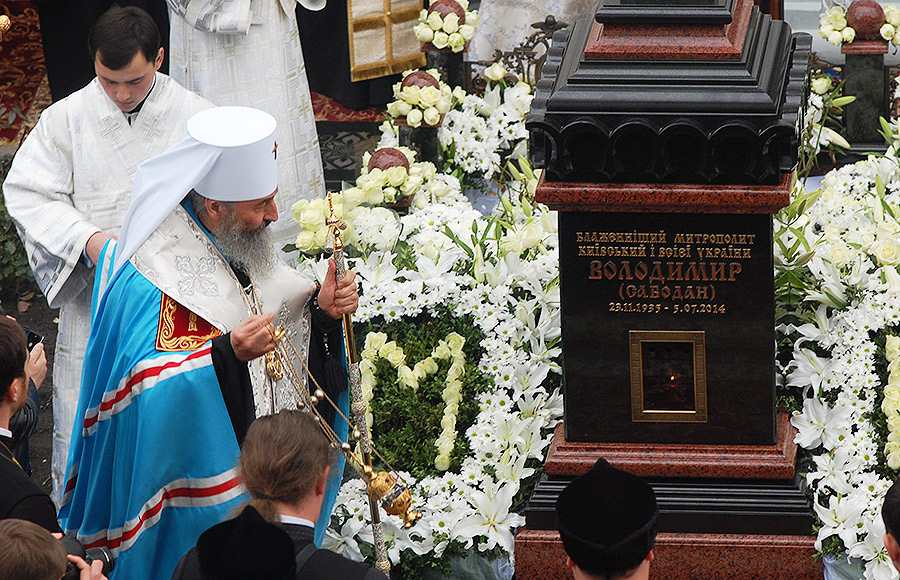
pixel 5 25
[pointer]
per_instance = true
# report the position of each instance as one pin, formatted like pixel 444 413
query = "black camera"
pixel 76 548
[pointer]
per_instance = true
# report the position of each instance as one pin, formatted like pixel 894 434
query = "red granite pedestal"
pixel 685 556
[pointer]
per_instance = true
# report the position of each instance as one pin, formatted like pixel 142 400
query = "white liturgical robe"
pixel 247 53
pixel 70 179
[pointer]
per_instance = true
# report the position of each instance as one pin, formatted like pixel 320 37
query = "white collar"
pixel 5 433
pixel 296 521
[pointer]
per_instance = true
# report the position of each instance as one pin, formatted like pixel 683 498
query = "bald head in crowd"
pixel 607 521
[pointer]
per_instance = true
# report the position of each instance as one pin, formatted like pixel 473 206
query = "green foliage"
pixel 406 423
pixel 15 274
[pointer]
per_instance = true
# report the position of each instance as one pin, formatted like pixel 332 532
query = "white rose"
pixel 414 118
pixel 374 196
pixel 311 219
pixel 820 85
pixel 840 255
pixel 393 108
pixel 444 105
pixel 825 31
pixel 456 42
pixel 887 31
pixel 428 96
pixel 887 253
pixel 451 23
pixel 467 31
pixel 396 175
pixel 423 32
pixel 375 340
pixel 321 234
pixel 531 235
pixel 849 34
pixel 411 185
pixel 306 242
pixel 403 109
pixel 438 189
pixel 472 18
pixel 431 116
pixel 298 209
pixel 410 94
pixel 442 462
pixel 396 357
pixel 835 38
pixel 435 21
pixel 495 72
pixel 353 196
pixel 440 39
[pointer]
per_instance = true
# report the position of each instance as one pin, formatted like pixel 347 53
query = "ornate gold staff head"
pixel 334 224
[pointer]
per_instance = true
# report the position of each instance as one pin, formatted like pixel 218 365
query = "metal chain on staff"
pixel 384 487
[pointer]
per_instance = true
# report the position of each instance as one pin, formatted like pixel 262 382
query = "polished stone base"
pixel 540 556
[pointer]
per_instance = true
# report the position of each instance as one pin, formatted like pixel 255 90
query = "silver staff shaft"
pixel 358 410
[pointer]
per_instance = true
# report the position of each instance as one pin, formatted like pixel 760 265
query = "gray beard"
pixel 250 251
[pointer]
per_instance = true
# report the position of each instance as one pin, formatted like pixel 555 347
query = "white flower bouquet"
pixel 837 256
pixel 447 25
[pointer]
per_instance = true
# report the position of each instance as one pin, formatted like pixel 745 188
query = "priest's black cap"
pixel 607 519
pixel 246 548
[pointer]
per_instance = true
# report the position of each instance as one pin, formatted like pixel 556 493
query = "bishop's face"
pixel 130 85
pixel 254 214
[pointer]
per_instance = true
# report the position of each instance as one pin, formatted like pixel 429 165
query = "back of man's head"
pixel 13 353
pixel 607 522
pixel 29 552
pixel 890 514
pixel 120 34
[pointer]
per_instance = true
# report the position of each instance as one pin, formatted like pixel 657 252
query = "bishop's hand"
pixel 337 298
pixel 253 338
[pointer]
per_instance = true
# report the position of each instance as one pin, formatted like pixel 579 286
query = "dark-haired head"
pixel 13 353
pixel 122 33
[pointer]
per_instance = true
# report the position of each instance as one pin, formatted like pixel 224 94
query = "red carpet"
pixel 21 70
pixel 327 109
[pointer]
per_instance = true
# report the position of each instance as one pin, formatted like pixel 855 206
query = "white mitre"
pixel 228 154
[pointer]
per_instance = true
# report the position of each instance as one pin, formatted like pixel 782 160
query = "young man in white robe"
pixel 70 183
pixel 247 53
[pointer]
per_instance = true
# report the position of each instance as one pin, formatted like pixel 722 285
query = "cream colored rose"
pixel 410 94
pixel 887 252
pixel 456 369
pixel 428 96
pixel 411 185
pixel 431 116
pixel 387 348
pixel 423 32
pixel 455 341
pixel 298 208
pixel 435 21
pixel 441 39
pixel 849 34
pixel 353 196
pixel 396 175
pixel 451 23
pixel 825 31
pixel 438 189
pixel 448 422
pixel 887 31
pixel 321 236
pixel 374 195
pixel 467 31
pixel 414 118
pixel 472 18
pixel 840 255
pixel 443 105
pixel 393 108
pixel 442 462
pixel 396 357
pixel 441 351
pixel 376 340
pixel 306 242
pixel 444 445
pixel 836 38
pixel 311 219
pixel 821 85
pixel 406 377
pixel 456 42
pixel 496 72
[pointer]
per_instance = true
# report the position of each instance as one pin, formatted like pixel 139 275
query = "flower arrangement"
pixel 496 386
pixel 835 28
pixel 477 138
pixel 369 228
pixel 388 175
pixel 446 25
pixel 821 122
pixel 838 290
pixel 377 346
pixel 421 97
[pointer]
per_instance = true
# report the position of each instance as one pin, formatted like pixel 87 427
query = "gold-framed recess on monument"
pixel 381 37
pixel 668 376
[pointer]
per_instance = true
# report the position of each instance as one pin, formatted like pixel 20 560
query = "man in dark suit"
pixel 285 460
pixel 20 496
